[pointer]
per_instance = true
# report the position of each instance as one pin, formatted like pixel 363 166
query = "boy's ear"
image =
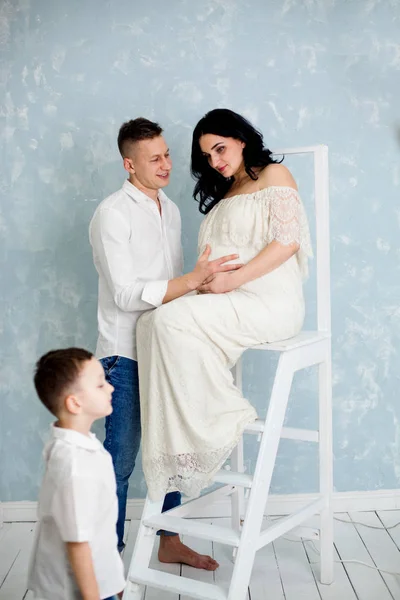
pixel 72 404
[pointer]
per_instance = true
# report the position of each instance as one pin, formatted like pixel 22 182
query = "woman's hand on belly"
pixel 219 283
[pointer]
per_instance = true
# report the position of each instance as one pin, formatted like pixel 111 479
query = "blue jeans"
pixel 123 432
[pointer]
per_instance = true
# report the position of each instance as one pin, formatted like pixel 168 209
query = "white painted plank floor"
pixel 285 570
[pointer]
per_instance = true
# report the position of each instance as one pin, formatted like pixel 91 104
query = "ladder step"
pixel 223 535
pixel 288 433
pixel 256 427
pixel 180 585
pixel 233 478
pixel 302 435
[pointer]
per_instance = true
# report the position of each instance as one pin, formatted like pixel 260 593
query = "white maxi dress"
pixel 191 412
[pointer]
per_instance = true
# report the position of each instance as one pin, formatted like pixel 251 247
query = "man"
pixel 136 238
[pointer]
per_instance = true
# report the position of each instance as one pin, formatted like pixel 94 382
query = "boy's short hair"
pixel 135 131
pixel 56 373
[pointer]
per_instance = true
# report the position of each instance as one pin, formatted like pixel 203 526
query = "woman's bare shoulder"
pixel 276 174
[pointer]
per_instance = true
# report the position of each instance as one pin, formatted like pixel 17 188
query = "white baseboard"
pixel 277 505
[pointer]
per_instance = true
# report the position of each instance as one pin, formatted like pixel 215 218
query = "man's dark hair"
pixel 56 373
pixel 135 131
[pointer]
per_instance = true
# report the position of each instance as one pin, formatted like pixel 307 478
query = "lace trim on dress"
pixel 288 224
pixel 187 473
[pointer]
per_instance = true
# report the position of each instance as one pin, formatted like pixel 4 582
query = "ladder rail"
pixel 305 350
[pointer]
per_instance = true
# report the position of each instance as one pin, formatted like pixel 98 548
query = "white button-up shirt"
pixel 77 503
pixel 136 251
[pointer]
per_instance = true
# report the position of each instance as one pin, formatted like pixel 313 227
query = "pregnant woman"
pixel 192 413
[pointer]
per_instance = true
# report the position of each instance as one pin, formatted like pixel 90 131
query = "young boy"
pixel 75 555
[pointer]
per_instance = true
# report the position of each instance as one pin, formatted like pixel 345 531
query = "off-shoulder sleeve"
pixel 288 223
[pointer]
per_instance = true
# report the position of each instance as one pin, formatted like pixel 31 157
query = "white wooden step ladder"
pixel 245 535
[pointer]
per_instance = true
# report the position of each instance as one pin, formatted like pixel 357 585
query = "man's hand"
pixel 220 283
pixel 205 269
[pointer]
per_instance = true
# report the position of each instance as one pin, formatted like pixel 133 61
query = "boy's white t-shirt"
pixel 77 503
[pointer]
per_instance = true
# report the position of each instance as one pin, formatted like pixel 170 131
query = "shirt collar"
pixel 75 438
pixel 140 196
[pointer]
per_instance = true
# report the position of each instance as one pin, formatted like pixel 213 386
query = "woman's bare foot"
pixel 173 551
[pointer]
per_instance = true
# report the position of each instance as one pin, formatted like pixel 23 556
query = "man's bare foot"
pixel 173 551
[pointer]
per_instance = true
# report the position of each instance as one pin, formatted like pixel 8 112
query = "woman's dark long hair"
pixel 211 186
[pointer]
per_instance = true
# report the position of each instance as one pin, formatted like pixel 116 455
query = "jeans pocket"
pixel 109 363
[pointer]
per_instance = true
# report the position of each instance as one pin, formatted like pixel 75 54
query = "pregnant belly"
pixel 245 254
pixel 285 279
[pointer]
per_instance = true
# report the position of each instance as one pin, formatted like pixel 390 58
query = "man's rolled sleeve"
pixel 154 292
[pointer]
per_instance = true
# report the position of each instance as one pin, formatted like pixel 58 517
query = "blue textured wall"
pixel 305 72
